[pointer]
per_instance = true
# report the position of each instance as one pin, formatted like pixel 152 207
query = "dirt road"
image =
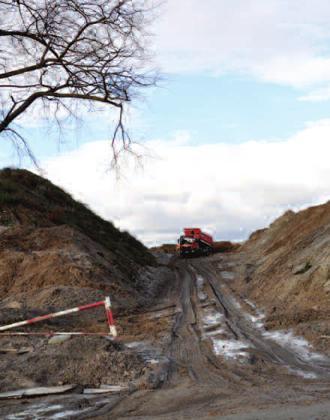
pixel 216 360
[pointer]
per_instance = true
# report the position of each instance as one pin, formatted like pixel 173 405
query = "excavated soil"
pixel 238 335
pixel 86 361
pixel 207 353
pixel 49 269
pixel 56 254
pixel 285 270
pixel 58 266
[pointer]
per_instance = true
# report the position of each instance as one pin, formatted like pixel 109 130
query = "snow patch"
pixel 213 333
pixel 231 264
pixel 306 375
pixel 230 349
pixel 297 344
pixel 68 413
pixel 251 304
pixel 149 354
pixel 235 302
pixel 135 344
pixel 212 318
pixel 257 319
pixel 40 411
pixel 152 361
pixel 200 284
pixel 227 275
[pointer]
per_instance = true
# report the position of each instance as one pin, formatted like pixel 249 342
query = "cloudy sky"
pixel 237 132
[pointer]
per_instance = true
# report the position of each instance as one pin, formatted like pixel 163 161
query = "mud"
pixel 206 352
pixel 241 335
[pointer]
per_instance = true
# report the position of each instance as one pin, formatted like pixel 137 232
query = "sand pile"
pixel 287 271
pixel 56 254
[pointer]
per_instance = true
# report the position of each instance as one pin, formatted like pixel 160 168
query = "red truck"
pixel 194 242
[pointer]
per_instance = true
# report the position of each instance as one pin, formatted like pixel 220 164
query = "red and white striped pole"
pixel 106 303
pixel 108 310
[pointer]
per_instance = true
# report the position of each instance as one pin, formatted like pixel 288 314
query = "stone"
pixel 59 339
pixel 302 268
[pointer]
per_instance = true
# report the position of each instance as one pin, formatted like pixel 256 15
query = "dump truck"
pixel 194 242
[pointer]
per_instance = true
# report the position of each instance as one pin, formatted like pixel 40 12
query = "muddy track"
pixel 244 329
pixel 200 377
pixel 191 356
pixel 219 360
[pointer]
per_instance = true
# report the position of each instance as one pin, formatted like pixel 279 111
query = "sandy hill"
pixel 287 271
pixel 55 252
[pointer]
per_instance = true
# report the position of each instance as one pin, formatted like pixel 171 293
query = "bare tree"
pixel 57 52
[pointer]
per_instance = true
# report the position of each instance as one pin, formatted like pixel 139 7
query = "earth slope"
pixel 55 254
pixel 287 272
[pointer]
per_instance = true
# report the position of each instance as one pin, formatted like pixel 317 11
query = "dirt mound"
pixel 44 268
pixel 165 248
pixel 51 247
pixel 226 246
pixel 287 271
pixel 56 254
pixel 28 199
pixel 87 361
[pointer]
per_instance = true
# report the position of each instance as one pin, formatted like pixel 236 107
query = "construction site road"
pixel 218 361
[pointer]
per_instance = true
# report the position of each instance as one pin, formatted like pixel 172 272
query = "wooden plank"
pixel 34 392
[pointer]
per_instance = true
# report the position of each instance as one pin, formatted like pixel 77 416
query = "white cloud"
pixel 279 41
pixel 317 95
pixel 230 189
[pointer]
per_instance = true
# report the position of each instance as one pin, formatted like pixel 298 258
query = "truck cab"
pixel 194 242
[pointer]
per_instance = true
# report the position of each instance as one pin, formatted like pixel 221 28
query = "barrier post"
pixel 108 310
pixel 106 303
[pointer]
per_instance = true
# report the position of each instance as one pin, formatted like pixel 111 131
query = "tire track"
pixel 245 330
